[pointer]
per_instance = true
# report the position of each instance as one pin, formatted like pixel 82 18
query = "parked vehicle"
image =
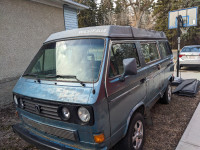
pixel 91 88
pixel 190 56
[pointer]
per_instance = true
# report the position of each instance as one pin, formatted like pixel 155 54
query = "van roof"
pixel 108 31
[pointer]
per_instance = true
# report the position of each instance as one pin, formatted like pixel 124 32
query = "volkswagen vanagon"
pixel 91 88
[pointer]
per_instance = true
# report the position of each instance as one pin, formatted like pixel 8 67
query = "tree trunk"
pixel 138 21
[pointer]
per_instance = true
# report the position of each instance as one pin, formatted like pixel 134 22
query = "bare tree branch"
pixel 139 8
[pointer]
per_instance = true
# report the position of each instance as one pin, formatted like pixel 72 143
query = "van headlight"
pixel 15 99
pixel 83 114
pixel 64 113
pixel 21 103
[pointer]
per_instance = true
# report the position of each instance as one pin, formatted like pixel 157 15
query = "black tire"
pixel 127 142
pixel 166 99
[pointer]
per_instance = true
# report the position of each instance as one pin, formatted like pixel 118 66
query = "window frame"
pixel 149 42
pixel 112 42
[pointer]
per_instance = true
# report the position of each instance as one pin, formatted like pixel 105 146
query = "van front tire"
pixel 134 139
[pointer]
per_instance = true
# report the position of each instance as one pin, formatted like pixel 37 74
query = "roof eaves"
pixel 75 5
pixel 60 3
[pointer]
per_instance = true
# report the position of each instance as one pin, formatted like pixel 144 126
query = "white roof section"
pixel 60 3
pixel 108 31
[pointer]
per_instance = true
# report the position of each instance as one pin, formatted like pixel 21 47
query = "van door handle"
pixel 143 80
pixel 159 66
pixel 169 64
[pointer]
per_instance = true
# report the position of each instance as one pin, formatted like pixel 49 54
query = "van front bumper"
pixel 44 143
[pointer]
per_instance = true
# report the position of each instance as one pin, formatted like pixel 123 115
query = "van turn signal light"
pixel 16 113
pixel 99 138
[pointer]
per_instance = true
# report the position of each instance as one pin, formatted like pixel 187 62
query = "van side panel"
pixel 122 102
pixel 168 63
pixel 155 73
pixel 122 98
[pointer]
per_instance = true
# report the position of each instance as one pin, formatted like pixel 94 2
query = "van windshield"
pixel 71 60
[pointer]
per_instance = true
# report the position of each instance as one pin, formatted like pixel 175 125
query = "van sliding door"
pixel 153 67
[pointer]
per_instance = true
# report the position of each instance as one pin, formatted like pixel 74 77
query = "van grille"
pixel 61 133
pixel 43 109
pixel 53 109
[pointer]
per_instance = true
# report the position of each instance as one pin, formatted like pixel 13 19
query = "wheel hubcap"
pixel 169 93
pixel 137 135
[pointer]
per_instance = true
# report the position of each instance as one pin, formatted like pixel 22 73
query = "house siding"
pixel 24 26
pixel 70 15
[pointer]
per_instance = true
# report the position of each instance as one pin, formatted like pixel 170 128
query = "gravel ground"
pixel 6 92
pixel 169 123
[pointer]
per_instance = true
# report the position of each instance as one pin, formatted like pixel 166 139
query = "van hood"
pixel 47 90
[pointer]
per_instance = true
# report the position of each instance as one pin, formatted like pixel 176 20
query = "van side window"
pixel 150 52
pixel 49 67
pixel 163 48
pixel 38 65
pixel 50 61
pixel 169 51
pixel 118 53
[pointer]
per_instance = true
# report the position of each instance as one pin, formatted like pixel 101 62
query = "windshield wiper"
pixel 33 75
pixel 65 76
pixel 30 74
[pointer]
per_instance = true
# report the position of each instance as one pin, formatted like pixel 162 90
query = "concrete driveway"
pixel 190 73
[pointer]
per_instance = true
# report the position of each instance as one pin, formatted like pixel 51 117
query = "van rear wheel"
pixel 166 99
pixel 134 139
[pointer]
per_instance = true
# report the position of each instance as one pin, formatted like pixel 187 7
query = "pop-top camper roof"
pixel 108 31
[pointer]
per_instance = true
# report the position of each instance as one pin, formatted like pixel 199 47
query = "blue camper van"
pixel 91 88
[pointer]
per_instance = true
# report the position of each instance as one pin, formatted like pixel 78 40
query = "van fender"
pixel 141 103
pixel 171 78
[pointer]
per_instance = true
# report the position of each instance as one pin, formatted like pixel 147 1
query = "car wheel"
pixel 134 139
pixel 166 99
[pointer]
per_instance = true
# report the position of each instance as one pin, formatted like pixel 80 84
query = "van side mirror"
pixel 130 67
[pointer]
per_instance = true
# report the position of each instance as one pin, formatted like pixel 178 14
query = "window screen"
pixel 120 52
pixel 150 52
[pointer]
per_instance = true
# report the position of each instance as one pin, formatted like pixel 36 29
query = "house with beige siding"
pixel 25 24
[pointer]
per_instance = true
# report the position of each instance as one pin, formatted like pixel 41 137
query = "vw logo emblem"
pixel 37 108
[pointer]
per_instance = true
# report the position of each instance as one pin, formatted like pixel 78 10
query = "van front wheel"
pixel 134 139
